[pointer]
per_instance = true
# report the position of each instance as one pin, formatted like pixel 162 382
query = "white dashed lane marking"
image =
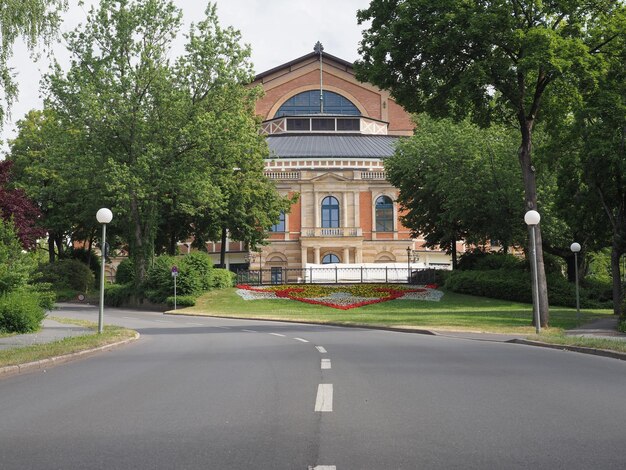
pixel 326 364
pixel 324 399
pixel 323 467
pixel 277 334
pixel 195 324
pixel 249 331
pixel 321 349
pixel 301 340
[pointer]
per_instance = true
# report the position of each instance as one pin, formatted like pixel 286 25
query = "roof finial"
pixel 318 49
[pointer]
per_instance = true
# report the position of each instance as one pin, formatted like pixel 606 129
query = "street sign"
pixel 174 271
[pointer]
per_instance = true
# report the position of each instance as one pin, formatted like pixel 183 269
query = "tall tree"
pixel 154 132
pixel 487 59
pixel 458 182
pixel 31 20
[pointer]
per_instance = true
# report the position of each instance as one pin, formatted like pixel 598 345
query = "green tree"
pixel 159 136
pixel 493 59
pixel 31 20
pixel 440 166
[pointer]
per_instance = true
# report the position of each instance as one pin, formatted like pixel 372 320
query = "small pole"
pixel 101 310
pixel 536 286
pixel 175 292
pixel 577 290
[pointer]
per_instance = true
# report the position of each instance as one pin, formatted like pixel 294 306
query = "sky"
pixel 277 30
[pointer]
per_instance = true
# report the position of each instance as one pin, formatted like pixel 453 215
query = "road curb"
pixel 579 349
pixel 53 361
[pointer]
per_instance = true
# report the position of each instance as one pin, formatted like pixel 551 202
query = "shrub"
pixel 181 301
pixel 15 265
pixel 47 297
pixel 20 312
pixel 125 273
pixel 483 261
pixel 159 283
pixel 201 264
pixel 91 259
pixel 221 278
pixel 68 274
pixel 116 295
pixel 515 285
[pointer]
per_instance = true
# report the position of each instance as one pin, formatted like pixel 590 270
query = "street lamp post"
pixel 103 216
pixel 532 218
pixel 575 247
pixel 408 265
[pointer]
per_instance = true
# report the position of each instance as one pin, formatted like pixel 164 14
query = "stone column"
pixel 357 209
pixel 316 209
pixel 346 255
pixel 304 255
pixel 344 203
pixel 316 251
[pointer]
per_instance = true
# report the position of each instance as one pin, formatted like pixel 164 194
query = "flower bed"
pixel 340 297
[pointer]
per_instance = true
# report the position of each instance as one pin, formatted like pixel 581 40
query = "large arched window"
pixel 330 212
pixel 308 102
pixel 330 259
pixel 384 214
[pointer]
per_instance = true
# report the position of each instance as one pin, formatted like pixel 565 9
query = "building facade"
pixel 328 136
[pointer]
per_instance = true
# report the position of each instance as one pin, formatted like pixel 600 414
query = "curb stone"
pixel 53 361
pixel 580 349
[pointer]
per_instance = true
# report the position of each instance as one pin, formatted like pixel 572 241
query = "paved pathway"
pixel 51 331
pixel 600 328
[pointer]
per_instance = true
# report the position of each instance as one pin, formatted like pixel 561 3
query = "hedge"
pixel 515 285
pixel 181 301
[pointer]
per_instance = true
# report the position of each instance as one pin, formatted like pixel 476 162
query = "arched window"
pixel 384 214
pixel 280 225
pixel 308 102
pixel 330 259
pixel 330 212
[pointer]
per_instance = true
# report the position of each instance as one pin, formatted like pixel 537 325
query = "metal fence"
pixel 337 275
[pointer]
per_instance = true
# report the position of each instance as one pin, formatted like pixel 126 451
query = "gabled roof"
pixel 308 56
pixel 331 146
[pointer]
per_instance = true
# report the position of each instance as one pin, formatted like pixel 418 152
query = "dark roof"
pixel 332 146
pixel 345 63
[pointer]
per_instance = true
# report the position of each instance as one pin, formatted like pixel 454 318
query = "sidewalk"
pixel 50 331
pixel 600 328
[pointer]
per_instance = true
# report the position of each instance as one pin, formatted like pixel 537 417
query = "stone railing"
pixel 283 175
pixel 373 175
pixel 332 232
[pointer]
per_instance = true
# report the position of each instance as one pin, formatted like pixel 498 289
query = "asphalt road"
pixel 210 393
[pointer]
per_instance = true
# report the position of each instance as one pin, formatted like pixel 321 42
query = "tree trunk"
pixel 454 254
pixel 571 267
pixel 51 252
pixel 530 193
pixel 615 274
pixel 58 240
pixel 223 249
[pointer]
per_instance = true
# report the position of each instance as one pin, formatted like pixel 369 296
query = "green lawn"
pixel 453 312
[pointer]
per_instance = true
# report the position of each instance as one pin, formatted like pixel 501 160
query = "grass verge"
pixel 456 312
pixel 36 352
pixel 585 342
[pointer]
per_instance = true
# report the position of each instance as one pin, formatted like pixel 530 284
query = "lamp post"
pixel 408 265
pixel 103 216
pixel 575 247
pixel 532 218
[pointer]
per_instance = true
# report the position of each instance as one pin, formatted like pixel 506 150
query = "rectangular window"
pixel 298 124
pixel 348 124
pixel 323 124
pixel 280 225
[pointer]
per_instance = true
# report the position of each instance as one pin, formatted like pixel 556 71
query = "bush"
pixel 515 285
pixel 221 278
pixel 20 312
pixel 181 301
pixel 47 297
pixel 68 274
pixel 116 295
pixel 125 273
pixel 91 259
pixel 15 265
pixel 201 265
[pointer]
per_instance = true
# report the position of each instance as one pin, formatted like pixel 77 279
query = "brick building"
pixel 330 151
